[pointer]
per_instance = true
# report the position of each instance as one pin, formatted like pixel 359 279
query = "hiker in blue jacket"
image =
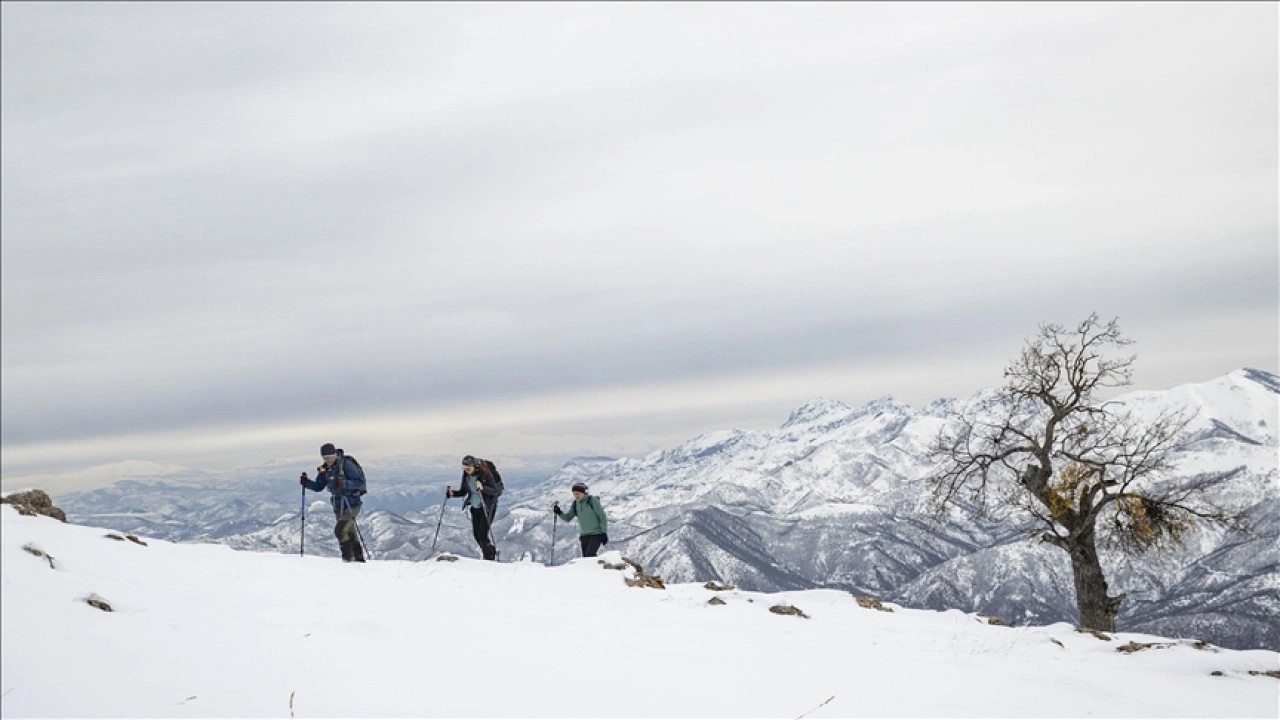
pixel 343 477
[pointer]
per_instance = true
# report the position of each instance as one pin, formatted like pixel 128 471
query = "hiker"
pixel 344 479
pixel 593 526
pixel 480 492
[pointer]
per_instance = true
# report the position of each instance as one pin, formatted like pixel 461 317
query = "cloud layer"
pixel 238 224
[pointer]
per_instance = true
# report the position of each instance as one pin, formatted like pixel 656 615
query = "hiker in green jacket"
pixel 593 526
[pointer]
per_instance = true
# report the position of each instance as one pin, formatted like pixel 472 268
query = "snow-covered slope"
pixel 205 631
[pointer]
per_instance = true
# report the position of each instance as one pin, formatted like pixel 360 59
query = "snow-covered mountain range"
pixel 834 498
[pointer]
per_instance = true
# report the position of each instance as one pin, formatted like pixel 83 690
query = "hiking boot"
pixel 347 553
pixel 357 552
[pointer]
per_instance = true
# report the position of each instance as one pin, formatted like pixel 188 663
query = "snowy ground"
pixel 205 631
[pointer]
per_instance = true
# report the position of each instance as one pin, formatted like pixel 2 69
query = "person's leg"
pixel 491 509
pixel 353 538
pixel 345 531
pixel 591 545
pixel 341 529
pixel 480 530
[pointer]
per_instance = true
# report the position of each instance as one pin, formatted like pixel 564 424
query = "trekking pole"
pixel 357 527
pixel 302 543
pixel 554 518
pixel 438 522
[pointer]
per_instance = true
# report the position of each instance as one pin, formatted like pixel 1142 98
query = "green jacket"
pixel 591 519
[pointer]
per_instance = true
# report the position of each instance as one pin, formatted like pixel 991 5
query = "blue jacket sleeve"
pixel 317 484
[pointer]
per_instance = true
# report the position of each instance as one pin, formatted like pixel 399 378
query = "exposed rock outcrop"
pixel 34 502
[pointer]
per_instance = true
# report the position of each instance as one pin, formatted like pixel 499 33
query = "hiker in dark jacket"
pixel 593 526
pixel 343 477
pixel 479 493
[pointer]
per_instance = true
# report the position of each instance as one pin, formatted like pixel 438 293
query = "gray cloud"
pixel 234 215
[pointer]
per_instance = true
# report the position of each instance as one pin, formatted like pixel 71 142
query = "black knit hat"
pixel 469 461
pixel 579 487
pixel 328 449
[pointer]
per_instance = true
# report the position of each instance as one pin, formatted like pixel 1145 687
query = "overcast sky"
pixel 235 231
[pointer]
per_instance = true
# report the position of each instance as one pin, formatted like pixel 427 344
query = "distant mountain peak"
pixel 941 407
pixel 815 409
pixel 885 402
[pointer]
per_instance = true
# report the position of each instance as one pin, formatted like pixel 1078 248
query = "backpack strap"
pixel 340 477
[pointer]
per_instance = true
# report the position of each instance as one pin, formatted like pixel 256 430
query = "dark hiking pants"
pixel 348 538
pixel 345 530
pixel 480 529
pixel 591 544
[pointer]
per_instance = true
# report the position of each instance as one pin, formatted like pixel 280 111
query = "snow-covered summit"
pixel 1244 403
pixel 816 409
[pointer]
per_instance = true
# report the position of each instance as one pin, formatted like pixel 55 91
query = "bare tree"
pixel 1044 450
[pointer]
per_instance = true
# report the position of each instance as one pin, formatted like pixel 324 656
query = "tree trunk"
pixel 1097 609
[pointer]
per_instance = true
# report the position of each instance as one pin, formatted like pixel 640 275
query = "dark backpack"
pixel 497 478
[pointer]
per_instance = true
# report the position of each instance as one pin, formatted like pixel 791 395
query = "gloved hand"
pixel 448 491
pixel 555 507
pixel 303 480
pixel 605 539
